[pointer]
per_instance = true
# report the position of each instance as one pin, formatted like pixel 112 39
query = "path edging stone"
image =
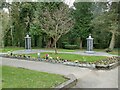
pixel 68 84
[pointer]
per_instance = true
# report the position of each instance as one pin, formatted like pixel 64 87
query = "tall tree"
pixel 82 15
pixel 21 15
pixel 4 26
pixel 97 9
pixel 20 19
pixel 55 20
pixel 108 21
pixel 27 14
pixel 14 13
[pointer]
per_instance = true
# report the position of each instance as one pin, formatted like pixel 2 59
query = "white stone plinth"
pixel 90 52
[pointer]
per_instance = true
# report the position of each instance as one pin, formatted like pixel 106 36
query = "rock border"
pixel 68 84
pixel 115 62
pixel 97 66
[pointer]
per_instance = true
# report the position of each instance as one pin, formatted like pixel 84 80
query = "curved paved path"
pixel 86 78
pixel 76 52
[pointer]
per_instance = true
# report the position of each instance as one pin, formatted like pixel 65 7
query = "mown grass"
pixel 66 56
pixel 11 48
pixel 115 52
pixel 0 77
pixel 67 50
pixel 6 49
pixel 70 56
pixel 23 78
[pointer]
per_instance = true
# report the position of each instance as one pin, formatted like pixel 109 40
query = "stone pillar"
pixel 90 45
pixel 27 42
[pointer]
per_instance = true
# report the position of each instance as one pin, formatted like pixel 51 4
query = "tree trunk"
pixel 55 47
pixel 49 43
pixel 80 43
pixel 12 36
pixel 1 36
pixel 53 44
pixel 112 42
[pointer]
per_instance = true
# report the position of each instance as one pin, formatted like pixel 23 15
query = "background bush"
pixel 71 46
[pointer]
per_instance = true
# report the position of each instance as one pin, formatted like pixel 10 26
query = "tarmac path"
pixel 87 78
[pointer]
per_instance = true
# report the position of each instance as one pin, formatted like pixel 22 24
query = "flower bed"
pixel 108 63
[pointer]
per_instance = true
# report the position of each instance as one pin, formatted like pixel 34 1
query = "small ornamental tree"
pixel 55 20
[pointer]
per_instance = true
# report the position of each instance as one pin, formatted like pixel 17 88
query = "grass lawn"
pixel 67 50
pixel 6 49
pixel 23 78
pixel 71 56
pixel 0 77
pixel 75 50
pixel 11 48
pixel 115 52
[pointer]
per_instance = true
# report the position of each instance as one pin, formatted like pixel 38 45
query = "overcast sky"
pixel 68 2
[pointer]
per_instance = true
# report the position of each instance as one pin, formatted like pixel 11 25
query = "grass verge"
pixel 115 52
pixel 24 78
pixel 6 49
pixel 71 56
pixel 0 77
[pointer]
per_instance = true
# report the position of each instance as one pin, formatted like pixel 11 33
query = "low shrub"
pixel 71 46
pixel 64 43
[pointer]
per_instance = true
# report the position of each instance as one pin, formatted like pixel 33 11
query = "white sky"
pixel 68 2
pixel 5 10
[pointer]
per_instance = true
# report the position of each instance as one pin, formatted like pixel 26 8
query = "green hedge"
pixel 64 43
pixel 71 46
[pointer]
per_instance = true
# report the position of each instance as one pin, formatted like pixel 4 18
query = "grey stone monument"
pixel 89 45
pixel 27 42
